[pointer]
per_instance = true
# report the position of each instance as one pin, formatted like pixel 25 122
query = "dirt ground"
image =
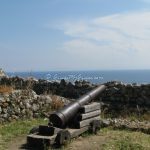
pixel 89 142
pixel 18 143
pixel 92 142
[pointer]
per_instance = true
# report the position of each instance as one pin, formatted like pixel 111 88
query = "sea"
pixel 103 76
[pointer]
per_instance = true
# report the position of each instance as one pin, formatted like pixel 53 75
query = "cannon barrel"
pixel 61 117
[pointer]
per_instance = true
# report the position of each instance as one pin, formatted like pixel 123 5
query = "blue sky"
pixel 42 35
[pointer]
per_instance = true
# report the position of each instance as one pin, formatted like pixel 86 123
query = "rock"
pixel 5 105
pixel 15 117
pixel 45 99
pixel 36 115
pixel 2 100
pixel 7 100
pixel 17 110
pixel 29 113
pixel 22 105
pixel 5 116
pixel 48 100
pixel 28 106
pixel 2 73
pixel 4 110
pixel 35 107
pixel 0 109
pixel 113 90
pixel 10 119
pixel 26 101
pixel 63 83
pixel 23 111
pixel 105 122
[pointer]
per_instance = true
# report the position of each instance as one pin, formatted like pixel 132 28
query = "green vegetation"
pixel 126 140
pixel 9 131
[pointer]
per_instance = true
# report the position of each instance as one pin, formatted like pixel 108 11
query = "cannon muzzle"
pixel 61 117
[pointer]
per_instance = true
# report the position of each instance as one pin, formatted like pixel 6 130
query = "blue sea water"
pixel 126 76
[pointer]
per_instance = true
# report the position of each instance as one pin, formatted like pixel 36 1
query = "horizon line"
pixel 31 71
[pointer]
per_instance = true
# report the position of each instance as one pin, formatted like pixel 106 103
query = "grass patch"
pixel 126 144
pixel 126 140
pixel 9 131
pixel 114 139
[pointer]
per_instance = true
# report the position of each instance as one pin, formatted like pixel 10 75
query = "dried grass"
pixel 5 89
pixel 56 102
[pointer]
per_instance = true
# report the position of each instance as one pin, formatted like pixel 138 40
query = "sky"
pixel 53 35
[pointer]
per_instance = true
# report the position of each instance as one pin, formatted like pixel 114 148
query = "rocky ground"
pixel 127 124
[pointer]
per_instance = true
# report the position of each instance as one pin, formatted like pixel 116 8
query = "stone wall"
pixel 25 104
pixel 122 99
pixel 118 99
pixel 62 88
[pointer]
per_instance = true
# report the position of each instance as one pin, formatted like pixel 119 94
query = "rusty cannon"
pixel 70 121
pixel 61 117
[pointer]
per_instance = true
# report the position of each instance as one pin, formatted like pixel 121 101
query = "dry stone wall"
pixel 118 99
pixel 62 88
pixel 25 104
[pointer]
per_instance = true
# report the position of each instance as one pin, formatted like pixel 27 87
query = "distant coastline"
pixel 127 76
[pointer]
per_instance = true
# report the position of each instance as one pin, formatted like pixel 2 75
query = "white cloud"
pixel 121 39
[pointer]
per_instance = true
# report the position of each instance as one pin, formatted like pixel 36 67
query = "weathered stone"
pixel 15 117
pixel 26 101
pixel 21 105
pixel 5 116
pixel 2 100
pixel 0 109
pixel 4 110
pixel 35 107
pixel 5 105
pixel 28 106
pixel 10 119
pixel 23 111
pixel 17 110
pixel 48 100
pixel 29 113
